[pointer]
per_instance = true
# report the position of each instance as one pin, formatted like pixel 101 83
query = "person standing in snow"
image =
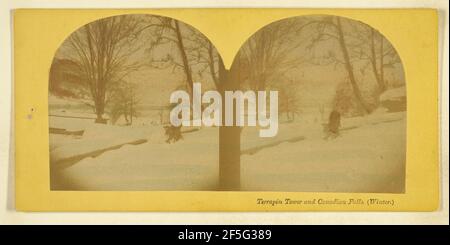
pixel 334 123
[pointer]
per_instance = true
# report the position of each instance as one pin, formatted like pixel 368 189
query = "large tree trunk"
pixel 229 138
pixel 99 110
pixel 182 50
pixel 373 60
pixel 349 68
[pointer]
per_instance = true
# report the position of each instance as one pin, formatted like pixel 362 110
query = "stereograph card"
pixel 226 109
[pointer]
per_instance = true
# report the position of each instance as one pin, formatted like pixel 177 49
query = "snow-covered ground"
pixel 368 156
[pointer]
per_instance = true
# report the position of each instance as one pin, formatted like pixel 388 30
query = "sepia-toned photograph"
pixel 313 103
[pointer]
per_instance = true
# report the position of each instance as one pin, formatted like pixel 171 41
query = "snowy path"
pixel 190 164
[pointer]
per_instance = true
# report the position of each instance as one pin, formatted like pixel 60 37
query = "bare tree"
pixel 101 51
pixel 374 48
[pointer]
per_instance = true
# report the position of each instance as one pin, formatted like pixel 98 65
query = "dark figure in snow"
pixel 173 133
pixel 334 122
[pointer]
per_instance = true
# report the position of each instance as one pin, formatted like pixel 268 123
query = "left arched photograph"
pixel 109 110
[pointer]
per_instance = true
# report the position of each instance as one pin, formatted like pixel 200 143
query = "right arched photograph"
pixel 341 108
